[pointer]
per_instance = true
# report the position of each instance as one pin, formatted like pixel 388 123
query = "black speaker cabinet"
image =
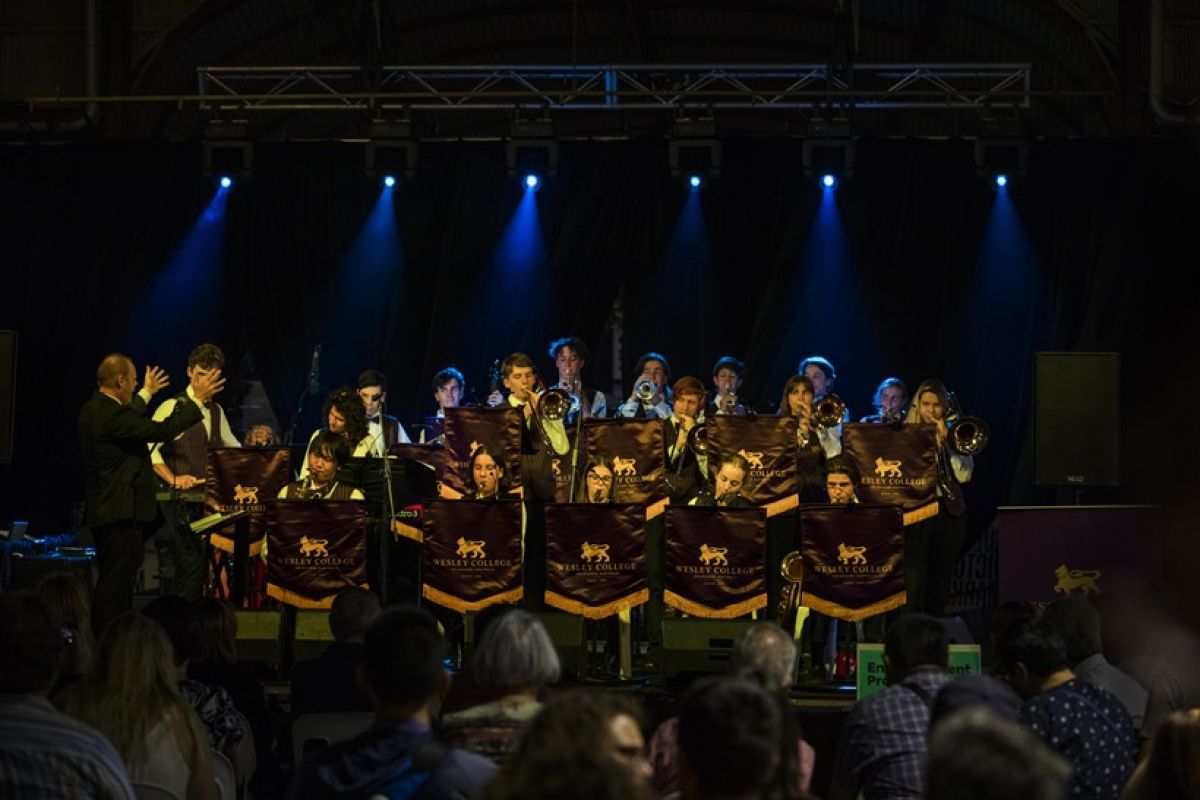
pixel 312 634
pixel 258 636
pixel 699 645
pixel 1076 419
pixel 568 635
pixel 8 393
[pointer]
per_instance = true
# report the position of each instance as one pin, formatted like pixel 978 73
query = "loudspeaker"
pixel 699 645
pixel 1076 419
pixel 568 635
pixel 312 634
pixel 258 637
pixel 8 393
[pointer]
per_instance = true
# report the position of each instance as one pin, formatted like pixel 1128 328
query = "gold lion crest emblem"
pixel 316 548
pixel 594 552
pixel 1085 580
pixel 471 548
pixel 852 555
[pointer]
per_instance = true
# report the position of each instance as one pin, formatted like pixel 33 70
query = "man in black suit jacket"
pixel 118 481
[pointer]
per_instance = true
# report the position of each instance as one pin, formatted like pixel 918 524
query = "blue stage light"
pixel 532 182
pixel 389 181
pixel 828 181
pixel 1001 181
pixel 226 181
pixel 695 181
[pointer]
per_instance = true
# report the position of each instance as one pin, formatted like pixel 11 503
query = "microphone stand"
pixel 389 510
pixel 578 440
pixel 290 433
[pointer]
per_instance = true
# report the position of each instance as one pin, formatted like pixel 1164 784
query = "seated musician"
pixel 686 470
pixel 487 479
pixel 652 371
pixel 598 482
pixel 344 415
pixel 326 453
pixel 841 481
pixel 727 376
pixel 261 435
pixel 726 490
pixel 890 401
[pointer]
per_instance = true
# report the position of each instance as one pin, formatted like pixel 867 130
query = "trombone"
pixel 967 436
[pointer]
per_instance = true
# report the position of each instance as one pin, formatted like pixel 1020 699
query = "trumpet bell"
pixel 554 404
pixel 645 390
pixel 968 436
pixel 828 413
pixel 698 439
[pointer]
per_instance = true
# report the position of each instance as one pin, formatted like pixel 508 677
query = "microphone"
pixel 314 373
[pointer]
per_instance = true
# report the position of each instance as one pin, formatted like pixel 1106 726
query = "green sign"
pixel 964 660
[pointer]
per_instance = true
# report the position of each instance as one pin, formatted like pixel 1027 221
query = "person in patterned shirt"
pixel 1083 723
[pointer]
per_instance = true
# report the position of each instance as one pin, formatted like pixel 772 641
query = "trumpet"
pixel 645 390
pixel 829 411
pixel 967 436
pixel 554 404
pixel 698 439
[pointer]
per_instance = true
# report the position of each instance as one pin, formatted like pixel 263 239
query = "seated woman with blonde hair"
pixel 133 699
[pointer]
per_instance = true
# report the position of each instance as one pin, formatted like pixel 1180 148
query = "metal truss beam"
pixel 682 87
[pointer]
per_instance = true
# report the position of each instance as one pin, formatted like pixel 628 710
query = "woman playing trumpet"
pixel 814 443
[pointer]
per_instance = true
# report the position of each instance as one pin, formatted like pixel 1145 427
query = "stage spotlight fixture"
pixel 226 148
pixel 695 181
pixel 1001 180
pixel 694 149
pixel 226 181
pixel 531 149
pixel 532 182
pixel 829 150
pixel 828 181
pixel 1001 149
pixel 390 148
pixel 389 181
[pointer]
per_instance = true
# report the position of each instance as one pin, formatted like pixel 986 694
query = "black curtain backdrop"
pixel 907 272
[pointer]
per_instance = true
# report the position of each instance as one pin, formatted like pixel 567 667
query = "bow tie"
pixel 371 420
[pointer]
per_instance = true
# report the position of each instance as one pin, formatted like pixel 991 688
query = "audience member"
pixel 1082 723
pixel 974 753
pixel 513 662
pixel 222 725
pixel 46 753
pixel 328 682
pixel 70 609
pixel 882 749
pixel 404 676
pixel 133 699
pixel 1172 768
pixel 1078 624
pixel 584 745
pixel 976 691
pixel 729 733
pixel 764 653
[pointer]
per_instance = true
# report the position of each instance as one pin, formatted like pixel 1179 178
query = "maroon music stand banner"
pixel 466 430
pixel 714 560
pixel 636 451
pixel 853 559
pixel 596 558
pixel 472 553
pixel 768 443
pixel 244 479
pixel 315 548
pixel 896 465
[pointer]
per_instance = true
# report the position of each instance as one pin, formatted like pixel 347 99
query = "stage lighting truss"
pixel 226 149
pixel 390 148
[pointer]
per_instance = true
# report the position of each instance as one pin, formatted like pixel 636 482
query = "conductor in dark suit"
pixel 119 485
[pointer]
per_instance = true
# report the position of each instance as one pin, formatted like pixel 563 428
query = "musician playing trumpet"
pixel 814 443
pixel 932 546
pixel 650 397
pixel 540 434
pixel 727 375
pixel 686 466
pixel 570 354
pixel 326 453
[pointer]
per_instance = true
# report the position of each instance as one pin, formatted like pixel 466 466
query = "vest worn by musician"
pixel 185 455
pixel 300 490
